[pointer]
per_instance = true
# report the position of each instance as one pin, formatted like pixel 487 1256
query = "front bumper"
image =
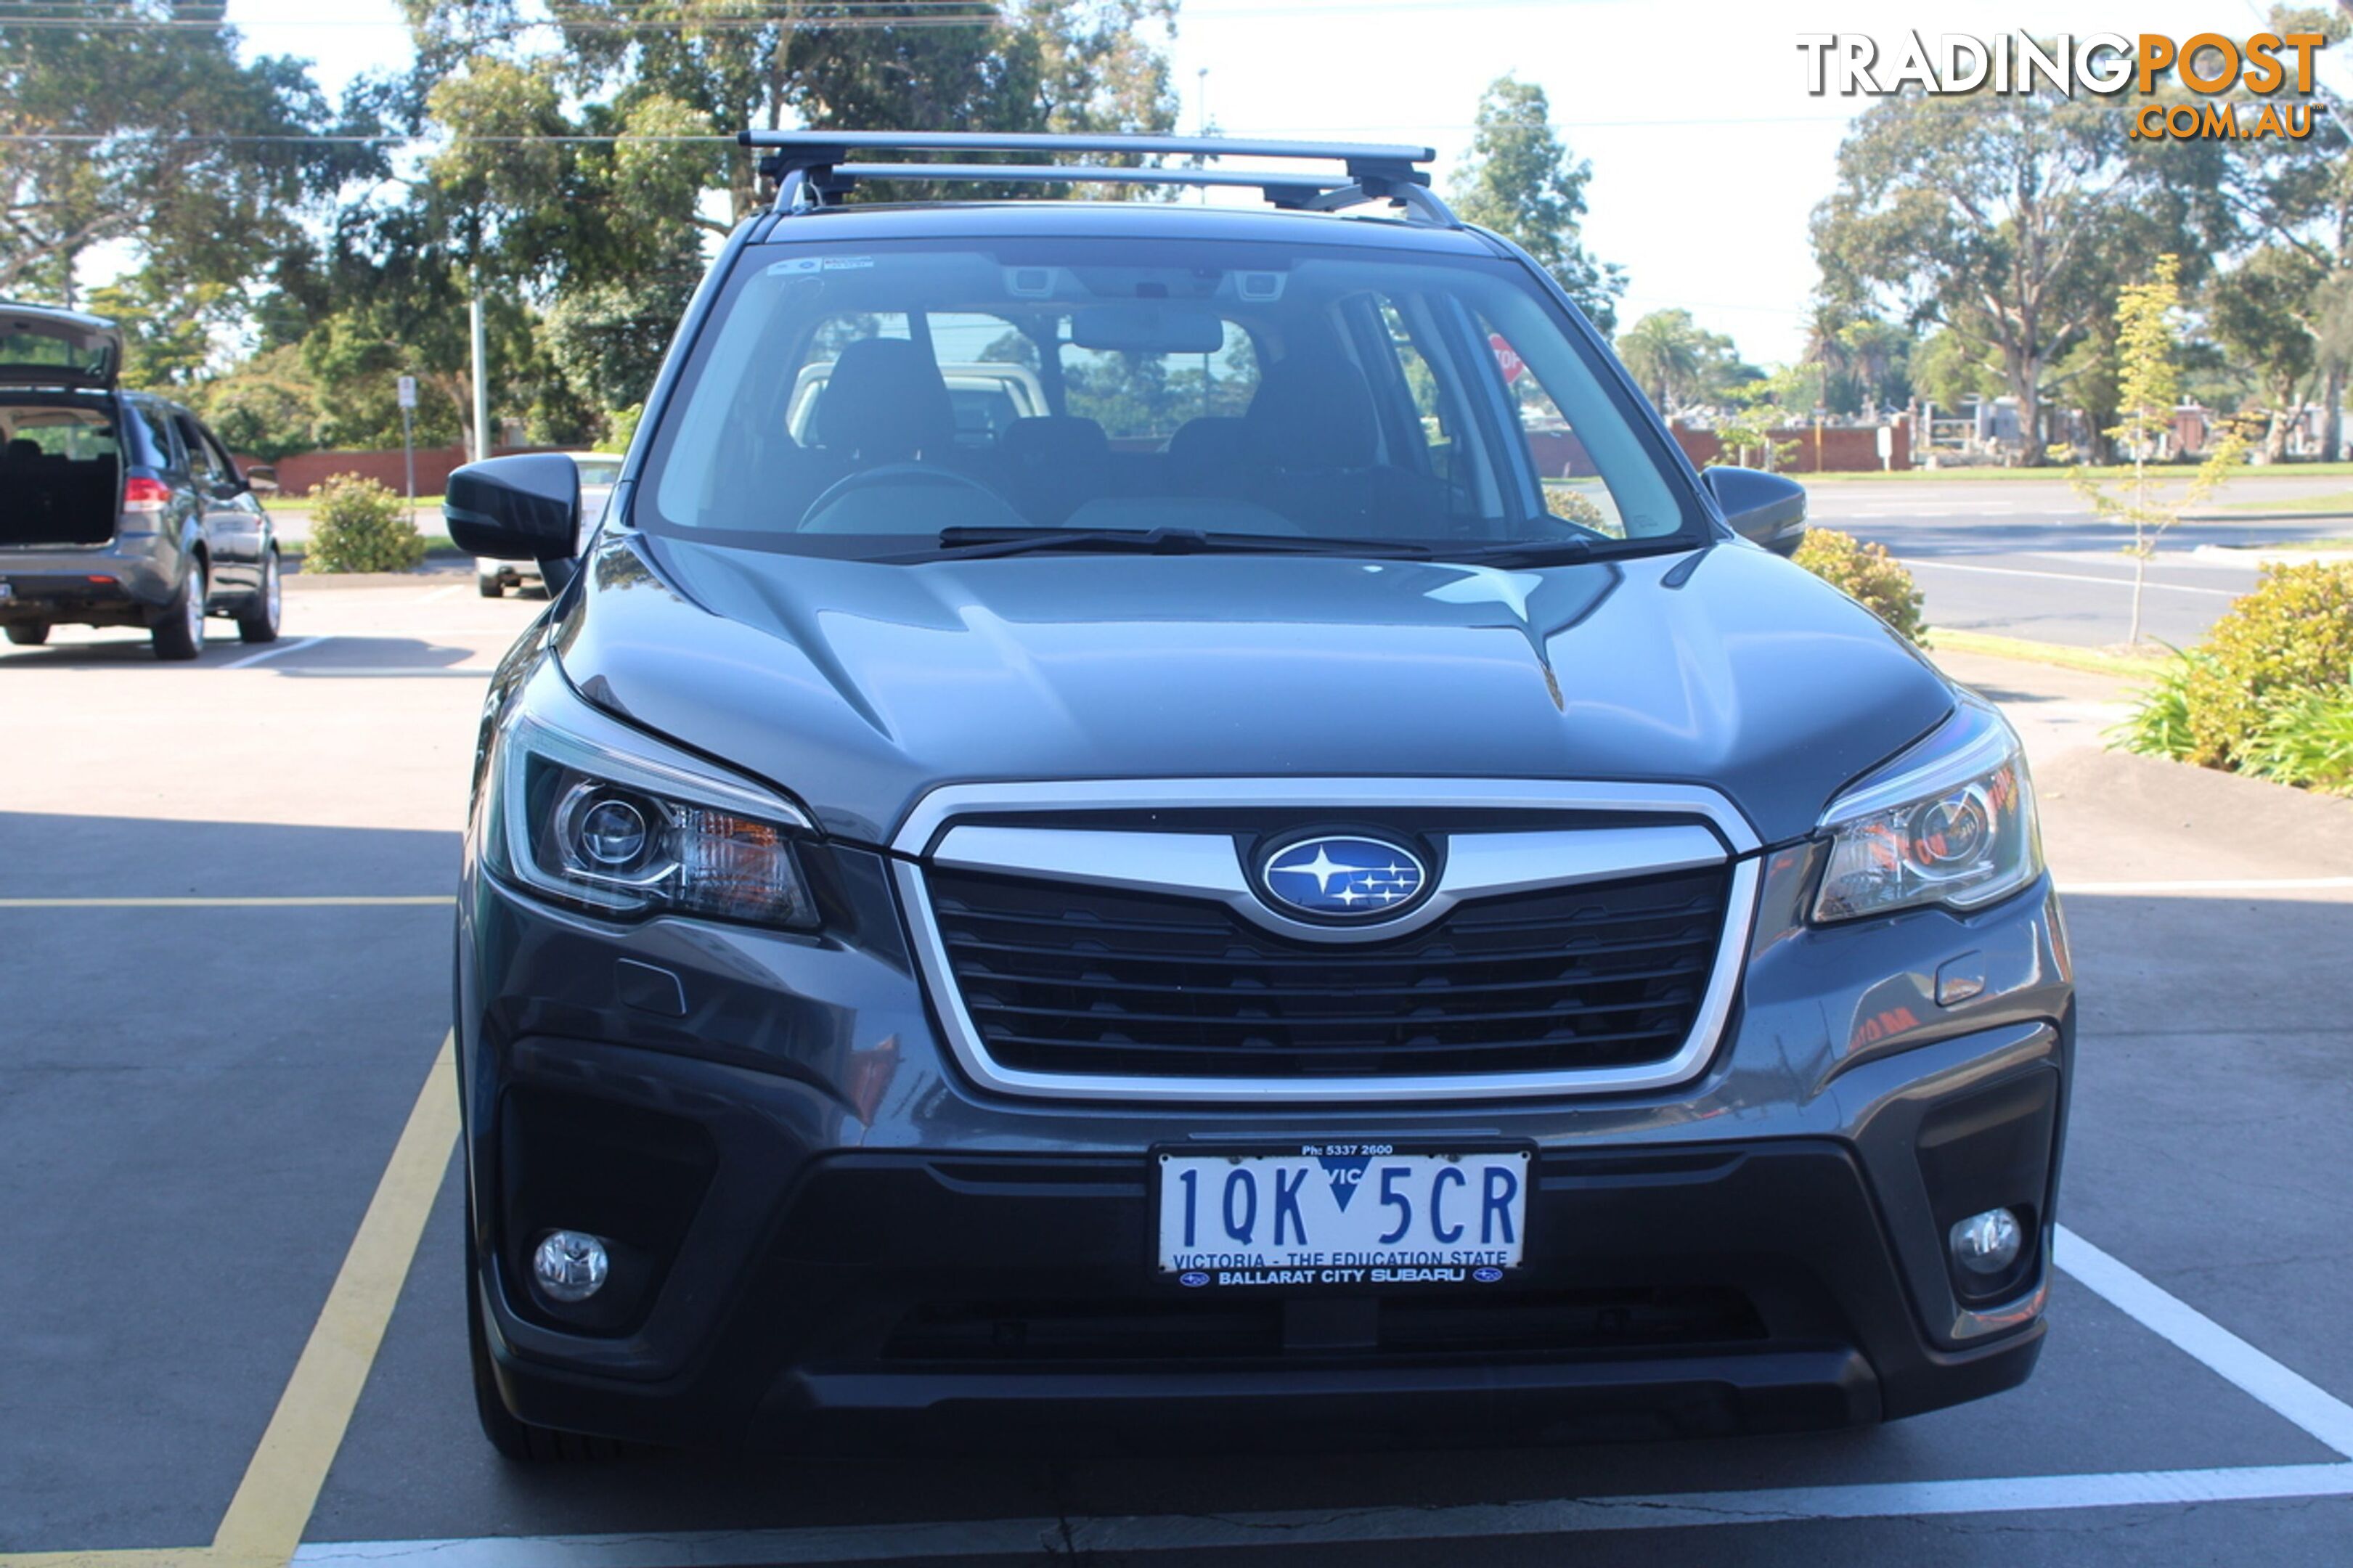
pixel 826 1233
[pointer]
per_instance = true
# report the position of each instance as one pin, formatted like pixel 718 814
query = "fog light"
pixel 1983 1244
pixel 570 1265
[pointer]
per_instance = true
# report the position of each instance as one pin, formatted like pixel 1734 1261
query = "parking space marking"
pixel 2217 885
pixel 1916 562
pixel 289 901
pixel 1320 1527
pixel 273 651
pixel 2288 1395
pixel 266 1517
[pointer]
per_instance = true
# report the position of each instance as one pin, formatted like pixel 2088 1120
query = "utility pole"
pixel 406 389
pixel 1201 122
pixel 482 380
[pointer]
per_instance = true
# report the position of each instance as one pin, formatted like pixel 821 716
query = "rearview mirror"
pixel 1765 508
pixel 1146 330
pixel 524 508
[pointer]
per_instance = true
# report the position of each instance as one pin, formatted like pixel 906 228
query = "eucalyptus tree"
pixel 1521 180
pixel 2010 222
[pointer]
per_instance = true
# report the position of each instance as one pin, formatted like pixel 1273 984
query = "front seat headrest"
pixel 1313 411
pixel 885 402
pixel 1054 438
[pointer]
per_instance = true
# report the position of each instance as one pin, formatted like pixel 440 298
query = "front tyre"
pixel 517 1440
pixel 257 622
pixel 491 584
pixel 180 634
pixel 28 634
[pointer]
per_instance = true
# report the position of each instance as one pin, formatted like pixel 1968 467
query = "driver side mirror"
pixel 261 480
pixel 1765 508
pixel 524 508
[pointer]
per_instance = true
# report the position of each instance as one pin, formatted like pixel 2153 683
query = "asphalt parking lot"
pixel 230 1314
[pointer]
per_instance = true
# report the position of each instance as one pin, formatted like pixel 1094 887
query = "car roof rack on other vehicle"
pixel 813 169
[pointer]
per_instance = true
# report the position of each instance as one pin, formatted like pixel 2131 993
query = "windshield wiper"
pixel 969 542
pixel 1530 553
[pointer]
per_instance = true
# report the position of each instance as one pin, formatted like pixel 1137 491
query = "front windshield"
pixel 865 400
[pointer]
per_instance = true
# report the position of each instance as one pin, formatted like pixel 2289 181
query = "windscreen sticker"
pixel 820 264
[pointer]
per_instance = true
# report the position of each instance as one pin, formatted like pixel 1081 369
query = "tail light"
pixel 145 495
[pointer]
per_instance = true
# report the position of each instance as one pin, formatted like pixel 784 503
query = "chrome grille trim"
pixel 1064 855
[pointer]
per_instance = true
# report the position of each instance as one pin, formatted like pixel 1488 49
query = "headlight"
pixel 595 813
pixel 1949 822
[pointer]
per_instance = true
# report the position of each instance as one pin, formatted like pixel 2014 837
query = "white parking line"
pixel 1303 1527
pixel 1917 563
pixel 2221 885
pixel 272 651
pixel 2285 1393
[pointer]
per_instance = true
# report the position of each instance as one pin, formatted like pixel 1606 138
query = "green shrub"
pixel 2293 634
pixel 2159 723
pixel 621 427
pixel 1865 573
pixel 358 525
pixel 2306 739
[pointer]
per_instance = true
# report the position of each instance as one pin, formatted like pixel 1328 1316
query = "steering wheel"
pixel 904 475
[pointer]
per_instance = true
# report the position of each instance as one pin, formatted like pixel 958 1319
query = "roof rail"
pixel 812 168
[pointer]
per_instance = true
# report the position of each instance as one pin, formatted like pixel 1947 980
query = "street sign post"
pixel 408 439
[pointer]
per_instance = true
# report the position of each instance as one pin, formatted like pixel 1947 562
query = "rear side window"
pixel 150 437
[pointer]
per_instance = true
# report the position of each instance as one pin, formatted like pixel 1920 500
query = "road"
pixel 2027 559
pixel 230 1310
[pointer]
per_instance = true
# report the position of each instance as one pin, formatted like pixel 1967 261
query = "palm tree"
pixel 1667 355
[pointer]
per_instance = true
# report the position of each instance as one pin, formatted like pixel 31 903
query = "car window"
pixel 201 464
pixel 160 448
pixel 843 403
pixel 78 434
pixel 218 456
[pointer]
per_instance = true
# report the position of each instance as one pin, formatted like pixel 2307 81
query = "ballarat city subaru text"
pixel 1186 817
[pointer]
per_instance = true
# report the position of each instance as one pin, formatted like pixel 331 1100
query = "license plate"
pixel 6 593
pixel 1341 1215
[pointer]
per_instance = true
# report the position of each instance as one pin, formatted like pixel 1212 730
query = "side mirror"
pixel 262 479
pixel 1765 508
pixel 524 508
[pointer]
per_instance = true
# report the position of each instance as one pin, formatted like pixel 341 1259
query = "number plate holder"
pixel 1342 1214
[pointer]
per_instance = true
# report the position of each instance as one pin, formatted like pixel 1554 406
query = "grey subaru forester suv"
pixel 1320 881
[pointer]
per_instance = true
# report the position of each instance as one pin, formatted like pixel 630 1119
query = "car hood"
pixel 856 686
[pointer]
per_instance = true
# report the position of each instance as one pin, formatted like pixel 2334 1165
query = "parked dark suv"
pixel 119 508
pixel 1317 883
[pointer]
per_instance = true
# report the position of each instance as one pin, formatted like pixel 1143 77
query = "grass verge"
pixel 2096 661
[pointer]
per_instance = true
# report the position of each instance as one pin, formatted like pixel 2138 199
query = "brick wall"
pixel 300 474
pixel 1842 449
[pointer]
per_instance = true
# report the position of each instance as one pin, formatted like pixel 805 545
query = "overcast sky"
pixel 1707 154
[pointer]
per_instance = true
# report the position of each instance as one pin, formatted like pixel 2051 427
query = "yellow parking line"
pixel 132 1557
pixel 266 1519
pixel 299 901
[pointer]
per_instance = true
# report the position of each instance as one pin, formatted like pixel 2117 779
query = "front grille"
pixel 1061 977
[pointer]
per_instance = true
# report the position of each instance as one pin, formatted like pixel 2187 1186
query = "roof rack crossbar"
pixel 817 149
pixel 812 168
